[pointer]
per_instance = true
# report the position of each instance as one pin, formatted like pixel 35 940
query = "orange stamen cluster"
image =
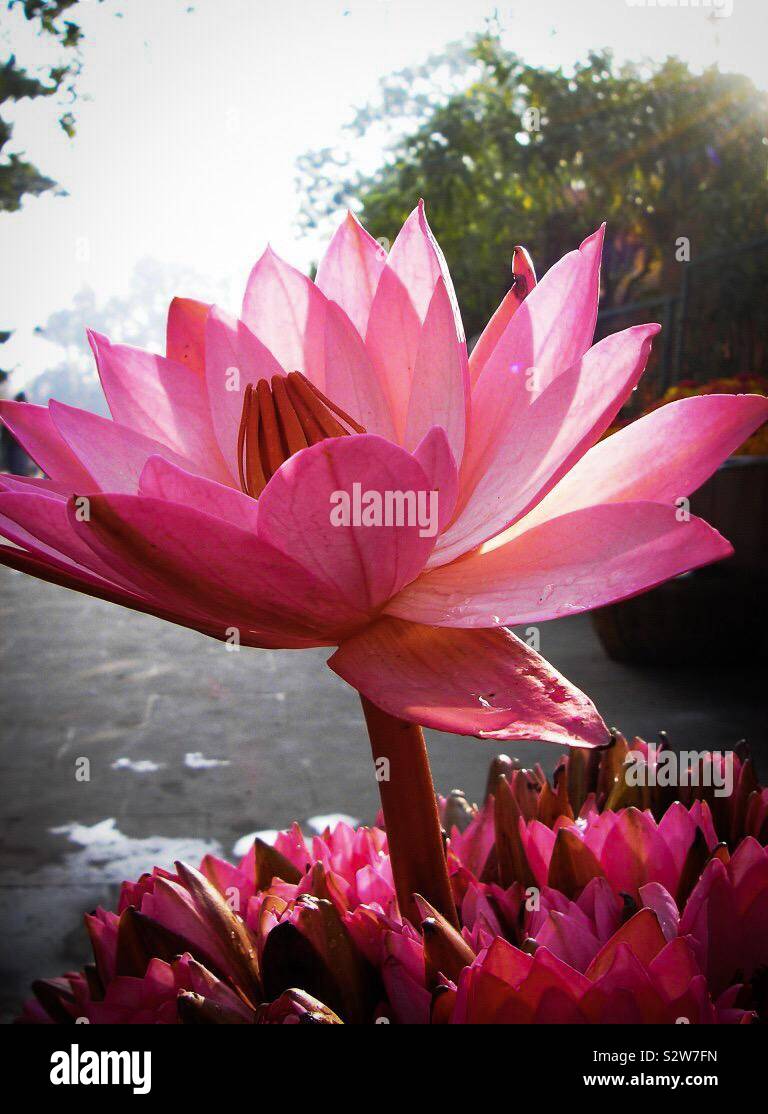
pixel 279 419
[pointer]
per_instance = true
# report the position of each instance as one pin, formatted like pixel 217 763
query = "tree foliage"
pixel 137 317
pixel 18 177
pixel 521 154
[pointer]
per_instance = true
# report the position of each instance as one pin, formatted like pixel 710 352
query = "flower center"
pixel 279 419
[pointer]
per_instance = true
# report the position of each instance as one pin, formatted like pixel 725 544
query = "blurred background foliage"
pixel 52 20
pixel 508 153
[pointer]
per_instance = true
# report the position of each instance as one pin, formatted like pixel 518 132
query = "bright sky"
pixel 186 149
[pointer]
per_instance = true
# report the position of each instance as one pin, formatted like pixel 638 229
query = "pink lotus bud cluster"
pixel 577 902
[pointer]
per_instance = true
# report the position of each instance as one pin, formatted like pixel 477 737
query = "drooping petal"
pixel 316 506
pixel 185 333
pixel 440 386
pixel 57 569
pixel 19 534
pixel 525 280
pixel 524 437
pixel 349 271
pixel 112 454
pixel 33 483
pixel 159 398
pixel 574 563
pixel 162 480
pixel 286 311
pixel 191 559
pixel 33 428
pixel 662 456
pixel 486 683
pixel 41 524
pixel 55 551
pixel 66 574
pixel 234 357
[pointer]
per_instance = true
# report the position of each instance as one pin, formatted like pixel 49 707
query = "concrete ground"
pixel 192 746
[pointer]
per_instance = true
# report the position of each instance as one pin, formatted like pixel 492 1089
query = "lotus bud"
pixel 296 1007
pixel 458 811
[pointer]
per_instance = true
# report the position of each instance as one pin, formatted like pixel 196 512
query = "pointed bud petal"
pixel 612 761
pixel 512 860
pixel 140 939
pixel 271 864
pixel 227 928
pixel 446 952
pixel 572 865
pixel 501 766
pixel 554 804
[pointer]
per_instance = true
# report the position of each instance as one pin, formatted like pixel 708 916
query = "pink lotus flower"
pixel 636 978
pixel 628 848
pixel 206 499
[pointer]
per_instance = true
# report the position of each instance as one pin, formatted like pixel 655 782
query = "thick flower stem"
pixel 408 799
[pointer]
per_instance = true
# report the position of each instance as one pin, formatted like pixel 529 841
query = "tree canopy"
pixel 514 153
pixel 19 177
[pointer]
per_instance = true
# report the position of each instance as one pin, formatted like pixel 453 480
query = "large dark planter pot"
pixel 717 614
